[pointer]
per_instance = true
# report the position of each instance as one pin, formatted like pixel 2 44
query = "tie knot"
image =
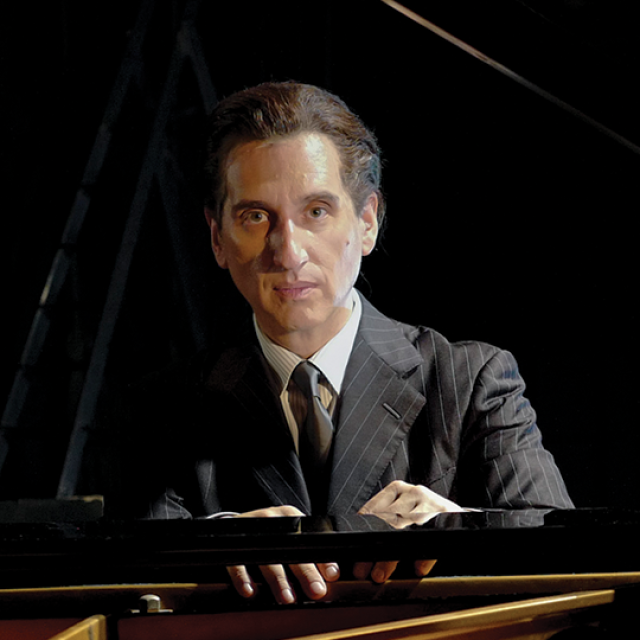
pixel 305 375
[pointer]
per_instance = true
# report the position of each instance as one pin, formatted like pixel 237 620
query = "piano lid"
pixel 581 56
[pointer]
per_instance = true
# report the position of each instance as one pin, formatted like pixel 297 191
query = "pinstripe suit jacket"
pixel 415 407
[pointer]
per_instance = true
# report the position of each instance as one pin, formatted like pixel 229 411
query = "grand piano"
pixel 68 571
pixel 498 574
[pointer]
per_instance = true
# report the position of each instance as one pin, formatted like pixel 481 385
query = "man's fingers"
pixel 423 567
pixel 310 579
pixel 405 499
pixel 397 497
pixel 330 571
pixel 272 512
pixel 382 571
pixel 379 572
pixel 242 581
pixel 276 577
pixel 313 578
pixel 361 570
pixel 380 502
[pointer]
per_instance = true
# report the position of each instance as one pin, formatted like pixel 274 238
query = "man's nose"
pixel 288 245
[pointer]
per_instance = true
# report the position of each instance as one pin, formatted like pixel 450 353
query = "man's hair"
pixel 280 109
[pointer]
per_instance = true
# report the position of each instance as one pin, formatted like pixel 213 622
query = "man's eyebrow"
pixel 241 205
pixel 322 196
pixel 325 196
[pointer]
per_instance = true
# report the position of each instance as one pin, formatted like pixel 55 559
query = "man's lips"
pixel 295 290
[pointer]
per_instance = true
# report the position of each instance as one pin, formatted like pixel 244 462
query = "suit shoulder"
pixel 414 344
pixel 434 345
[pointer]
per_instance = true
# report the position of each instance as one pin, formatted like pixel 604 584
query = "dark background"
pixel 509 219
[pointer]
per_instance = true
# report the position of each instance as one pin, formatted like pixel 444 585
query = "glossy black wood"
pixel 487 543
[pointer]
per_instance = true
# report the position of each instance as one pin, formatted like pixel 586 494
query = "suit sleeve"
pixel 503 463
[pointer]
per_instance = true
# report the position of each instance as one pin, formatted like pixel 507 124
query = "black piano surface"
pixel 483 543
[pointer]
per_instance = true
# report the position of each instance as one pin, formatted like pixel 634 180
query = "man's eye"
pixel 255 217
pixel 318 212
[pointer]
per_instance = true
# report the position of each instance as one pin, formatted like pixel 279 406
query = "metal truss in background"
pixel 153 110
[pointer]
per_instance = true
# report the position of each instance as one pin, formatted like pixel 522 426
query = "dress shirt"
pixel 331 360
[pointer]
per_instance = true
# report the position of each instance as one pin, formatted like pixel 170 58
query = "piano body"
pixel 498 575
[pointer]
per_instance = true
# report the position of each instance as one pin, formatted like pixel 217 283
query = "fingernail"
pixel 247 590
pixel 287 596
pixel 332 571
pixel 318 588
pixel 377 575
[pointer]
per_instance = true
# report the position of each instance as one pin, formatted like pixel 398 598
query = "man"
pixel 419 425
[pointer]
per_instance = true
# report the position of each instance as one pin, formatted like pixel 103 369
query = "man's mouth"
pixel 295 291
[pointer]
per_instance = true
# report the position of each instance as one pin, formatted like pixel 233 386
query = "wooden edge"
pixel 93 628
pixel 349 590
pixel 481 617
pixel 461 586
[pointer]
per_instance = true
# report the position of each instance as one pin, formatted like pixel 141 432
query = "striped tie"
pixel 316 435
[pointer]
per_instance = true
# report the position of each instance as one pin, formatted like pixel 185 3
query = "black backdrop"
pixel 509 220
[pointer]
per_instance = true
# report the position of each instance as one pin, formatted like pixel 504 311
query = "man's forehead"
pixel 317 146
pixel 308 162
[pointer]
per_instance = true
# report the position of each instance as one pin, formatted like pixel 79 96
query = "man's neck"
pixel 305 343
pixel 331 358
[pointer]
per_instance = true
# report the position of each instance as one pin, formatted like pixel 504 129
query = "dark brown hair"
pixel 278 109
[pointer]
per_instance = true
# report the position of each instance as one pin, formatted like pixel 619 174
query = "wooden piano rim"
pixel 343 591
pixel 566 599
pixel 519 619
pixel 479 618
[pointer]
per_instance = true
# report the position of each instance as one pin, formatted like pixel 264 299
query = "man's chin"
pixel 306 323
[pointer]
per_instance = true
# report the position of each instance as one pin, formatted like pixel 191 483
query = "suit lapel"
pixel 259 427
pixel 378 406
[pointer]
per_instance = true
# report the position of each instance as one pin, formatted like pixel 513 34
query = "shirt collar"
pixel 331 359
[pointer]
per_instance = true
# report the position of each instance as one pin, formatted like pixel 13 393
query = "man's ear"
pixel 369 224
pixel 216 239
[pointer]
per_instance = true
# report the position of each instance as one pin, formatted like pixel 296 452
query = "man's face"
pixel 291 239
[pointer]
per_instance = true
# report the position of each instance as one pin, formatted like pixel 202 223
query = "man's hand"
pixel 406 500
pixel 311 577
pixel 402 504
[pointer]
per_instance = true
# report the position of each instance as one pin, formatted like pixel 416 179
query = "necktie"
pixel 316 432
